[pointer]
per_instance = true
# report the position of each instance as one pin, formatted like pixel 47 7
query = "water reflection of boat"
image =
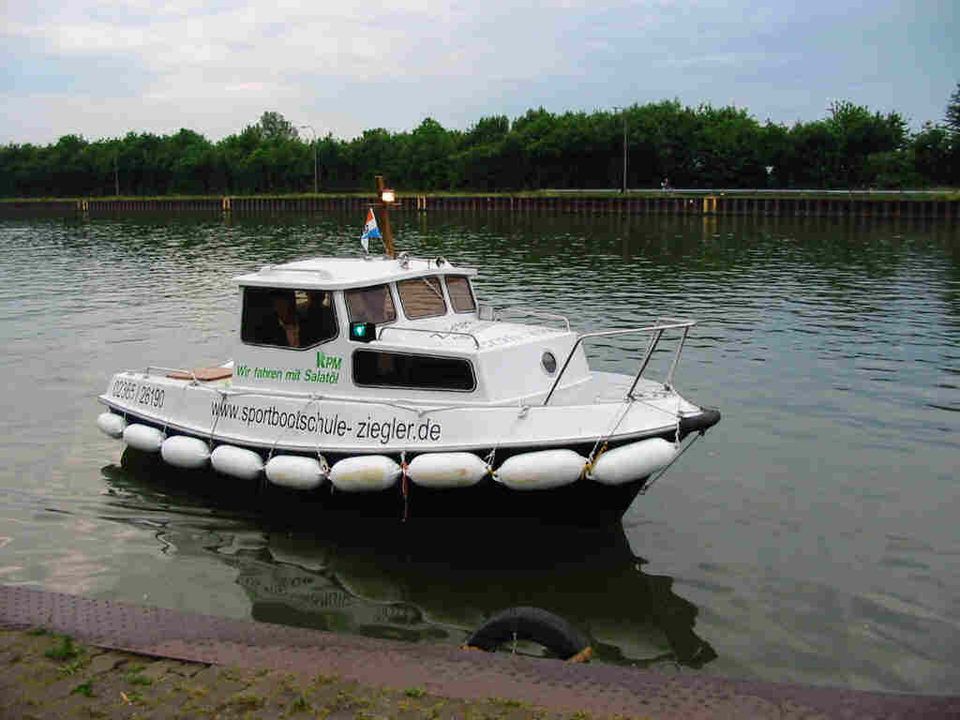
pixel 434 580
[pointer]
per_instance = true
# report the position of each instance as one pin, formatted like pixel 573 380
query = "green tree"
pixel 933 154
pixel 275 126
pixel 859 134
pixel 375 152
pixel 952 118
pixel 426 156
pixel 692 146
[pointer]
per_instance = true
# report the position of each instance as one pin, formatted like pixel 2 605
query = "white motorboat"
pixel 380 384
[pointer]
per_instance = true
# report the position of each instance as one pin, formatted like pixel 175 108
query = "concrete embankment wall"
pixel 888 205
pixel 597 688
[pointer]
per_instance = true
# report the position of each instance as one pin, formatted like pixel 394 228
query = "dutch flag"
pixel 370 230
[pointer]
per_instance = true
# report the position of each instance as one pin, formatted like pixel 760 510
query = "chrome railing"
pixel 656 333
pixel 432 332
pixel 489 312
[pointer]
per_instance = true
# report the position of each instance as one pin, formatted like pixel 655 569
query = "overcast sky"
pixel 102 69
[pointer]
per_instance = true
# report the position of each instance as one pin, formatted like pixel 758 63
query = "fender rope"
pixel 404 485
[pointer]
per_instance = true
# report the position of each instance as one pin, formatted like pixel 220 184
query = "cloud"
pixel 105 68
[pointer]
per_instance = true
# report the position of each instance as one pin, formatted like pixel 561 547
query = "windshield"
pixel 422 297
pixel 370 304
pixel 461 297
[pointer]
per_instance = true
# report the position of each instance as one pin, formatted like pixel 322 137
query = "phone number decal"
pixel 131 391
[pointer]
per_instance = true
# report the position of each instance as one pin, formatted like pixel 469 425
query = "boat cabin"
pixel 404 327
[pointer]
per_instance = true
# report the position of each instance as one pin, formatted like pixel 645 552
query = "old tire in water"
pixel 534 624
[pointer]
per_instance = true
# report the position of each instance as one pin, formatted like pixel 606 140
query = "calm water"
pixel 812 536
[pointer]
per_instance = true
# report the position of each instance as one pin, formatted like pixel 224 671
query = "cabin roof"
pixel 331 273
pixel 467 337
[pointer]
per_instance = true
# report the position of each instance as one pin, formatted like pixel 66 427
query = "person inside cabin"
pixel 288 324
pixel 371 304
pixel 317 319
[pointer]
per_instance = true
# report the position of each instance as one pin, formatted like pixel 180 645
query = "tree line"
pixel 851 147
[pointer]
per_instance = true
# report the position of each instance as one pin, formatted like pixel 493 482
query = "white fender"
pixel 189 453
pixel 632 462
pixel 143 437
pixel 541 470
pixel 111 424
pixel 236 462
pixel 447 470
pixel 295 472
pixel 367 472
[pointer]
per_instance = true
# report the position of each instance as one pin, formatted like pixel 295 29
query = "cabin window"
pixel 461 296
pixel 422 297
pixel 281 317
pixel 371 304
pixel 423 372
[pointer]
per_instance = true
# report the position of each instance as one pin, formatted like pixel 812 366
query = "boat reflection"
pixel 423 580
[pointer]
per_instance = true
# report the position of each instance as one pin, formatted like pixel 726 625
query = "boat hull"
pixel 583 503
pixel 348 455
pixel 295 422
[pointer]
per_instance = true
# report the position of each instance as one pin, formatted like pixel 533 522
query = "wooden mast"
pixel 385 219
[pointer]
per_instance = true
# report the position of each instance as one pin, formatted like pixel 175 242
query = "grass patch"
pixel 230 673
pixel 301 704
pixel 348 701
pixel 84 688
pixel 37 632
pixel 507 702
pixel 196 692
pixel 246 701
pixel 415 692
pixel 65 649
pixel 135 678
pixel 73 666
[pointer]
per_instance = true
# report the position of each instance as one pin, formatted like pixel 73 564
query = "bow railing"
pixel 655 331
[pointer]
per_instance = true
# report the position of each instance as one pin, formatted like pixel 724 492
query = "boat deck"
pixel 600 387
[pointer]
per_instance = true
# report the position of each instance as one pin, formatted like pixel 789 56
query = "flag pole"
pixel 385 218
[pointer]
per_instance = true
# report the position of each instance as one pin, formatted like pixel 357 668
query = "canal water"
pixel 811 536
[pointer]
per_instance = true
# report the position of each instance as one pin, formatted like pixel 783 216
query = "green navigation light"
pixel 363 331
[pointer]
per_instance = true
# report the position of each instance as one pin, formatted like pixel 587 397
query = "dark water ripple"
pixel 811 537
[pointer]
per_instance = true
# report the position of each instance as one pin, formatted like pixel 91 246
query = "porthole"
pixel 548 362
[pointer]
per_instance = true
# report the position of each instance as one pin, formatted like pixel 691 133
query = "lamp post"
pixel 623 112
pixel 315 159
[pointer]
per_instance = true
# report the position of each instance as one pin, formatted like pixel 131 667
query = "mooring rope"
pixel 649 484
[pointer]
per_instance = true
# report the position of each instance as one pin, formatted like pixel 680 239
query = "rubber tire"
pixel 530 623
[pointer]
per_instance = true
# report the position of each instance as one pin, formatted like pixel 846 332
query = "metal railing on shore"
pixel 942 205
pixel 785 192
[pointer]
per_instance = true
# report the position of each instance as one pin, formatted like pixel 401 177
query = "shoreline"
pixel 942 206
pixel 253 668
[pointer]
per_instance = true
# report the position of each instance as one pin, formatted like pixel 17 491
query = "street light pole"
pixel 623 112
pixel 316 183
pixel 624 151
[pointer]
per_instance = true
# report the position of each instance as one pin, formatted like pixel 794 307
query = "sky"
pixel 103 69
